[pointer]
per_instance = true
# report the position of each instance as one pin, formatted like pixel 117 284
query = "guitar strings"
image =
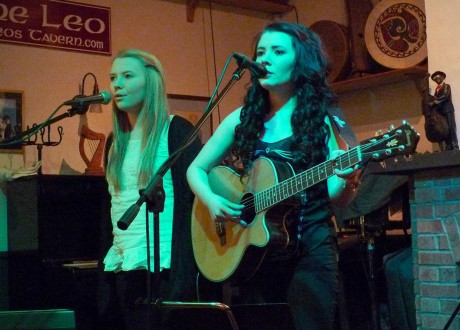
pixel 301 178
pixel 250 202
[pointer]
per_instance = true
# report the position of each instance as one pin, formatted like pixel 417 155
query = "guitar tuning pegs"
pixel 392 127
pixel 378 133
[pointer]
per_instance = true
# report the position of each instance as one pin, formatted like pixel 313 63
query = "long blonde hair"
pixel 153 116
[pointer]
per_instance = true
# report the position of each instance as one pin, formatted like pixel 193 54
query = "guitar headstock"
pixel 399 141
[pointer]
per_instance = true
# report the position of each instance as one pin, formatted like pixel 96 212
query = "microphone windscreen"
pixel 107 97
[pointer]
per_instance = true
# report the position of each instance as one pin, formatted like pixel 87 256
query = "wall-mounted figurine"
pixel 442 101
pixel 436 128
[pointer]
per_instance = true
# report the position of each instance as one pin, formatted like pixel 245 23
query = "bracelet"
pixel 354 185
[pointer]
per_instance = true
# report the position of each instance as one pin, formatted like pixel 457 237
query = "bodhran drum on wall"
pixel 395 33
pixel 334 37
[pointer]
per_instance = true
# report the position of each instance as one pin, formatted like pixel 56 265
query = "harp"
pixel 92 145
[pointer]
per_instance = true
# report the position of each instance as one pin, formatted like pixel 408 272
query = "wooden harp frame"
pixel 97 143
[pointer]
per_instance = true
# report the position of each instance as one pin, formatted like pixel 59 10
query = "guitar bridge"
pixel 220 229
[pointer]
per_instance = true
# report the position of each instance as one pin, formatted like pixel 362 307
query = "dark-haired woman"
pixel 287 117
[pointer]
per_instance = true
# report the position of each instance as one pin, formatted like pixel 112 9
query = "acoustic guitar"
pixel 225 250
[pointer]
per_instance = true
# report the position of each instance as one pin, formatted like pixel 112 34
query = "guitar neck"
pixel 299 182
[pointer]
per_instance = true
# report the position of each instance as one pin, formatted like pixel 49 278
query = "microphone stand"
pixel 74 110
pixel 153 195
pixel 155 204
pixel 79 109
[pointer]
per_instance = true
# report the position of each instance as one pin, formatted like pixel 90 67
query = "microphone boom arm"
pixel 74 110
pixel 146 193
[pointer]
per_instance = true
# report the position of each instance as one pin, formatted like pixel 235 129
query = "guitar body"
pixel 243 249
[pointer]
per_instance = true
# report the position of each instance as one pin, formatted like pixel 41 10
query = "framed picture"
pixel 191 108
pixel 11 111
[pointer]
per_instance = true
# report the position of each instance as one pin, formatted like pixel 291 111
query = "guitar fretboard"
pixel 289 187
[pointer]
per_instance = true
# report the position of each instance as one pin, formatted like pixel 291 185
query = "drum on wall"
pixel 334 37
pixel 395 33
pixel 361 61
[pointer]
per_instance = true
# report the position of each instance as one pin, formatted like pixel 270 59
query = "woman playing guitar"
pixel 286 120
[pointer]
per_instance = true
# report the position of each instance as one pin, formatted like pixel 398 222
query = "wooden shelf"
pixel 269 7
pixel 375 80
pixel 257 5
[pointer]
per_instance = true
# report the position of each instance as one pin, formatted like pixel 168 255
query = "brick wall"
pixel 435 210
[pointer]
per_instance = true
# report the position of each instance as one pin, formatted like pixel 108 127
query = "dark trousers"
pixel 309 284
pixel 123 301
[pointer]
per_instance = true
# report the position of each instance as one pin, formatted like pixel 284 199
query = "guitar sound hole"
pixel 249 211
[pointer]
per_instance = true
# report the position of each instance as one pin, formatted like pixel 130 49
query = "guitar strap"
pixel 340 141
pixel 345 136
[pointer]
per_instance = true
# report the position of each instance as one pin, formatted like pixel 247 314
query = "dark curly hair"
pixel 314 97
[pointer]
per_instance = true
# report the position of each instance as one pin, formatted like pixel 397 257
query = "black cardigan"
pixel 183 266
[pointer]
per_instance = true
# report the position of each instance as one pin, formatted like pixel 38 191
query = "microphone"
pixel 103 97
pixel 257 70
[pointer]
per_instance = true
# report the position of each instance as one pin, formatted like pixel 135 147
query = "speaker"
pixel 218 316
pixel 263 317
pixel 199 316
pixel 38 319
pixel 400 288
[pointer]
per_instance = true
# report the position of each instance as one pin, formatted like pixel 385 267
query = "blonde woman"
pixel 144 135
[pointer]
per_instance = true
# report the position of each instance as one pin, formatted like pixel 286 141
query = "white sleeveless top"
pixel 129 249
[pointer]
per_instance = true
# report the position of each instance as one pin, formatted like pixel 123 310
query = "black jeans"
pixel 124 301
pixel 309 284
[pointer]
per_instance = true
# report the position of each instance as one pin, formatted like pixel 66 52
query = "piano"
pixel 57 230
